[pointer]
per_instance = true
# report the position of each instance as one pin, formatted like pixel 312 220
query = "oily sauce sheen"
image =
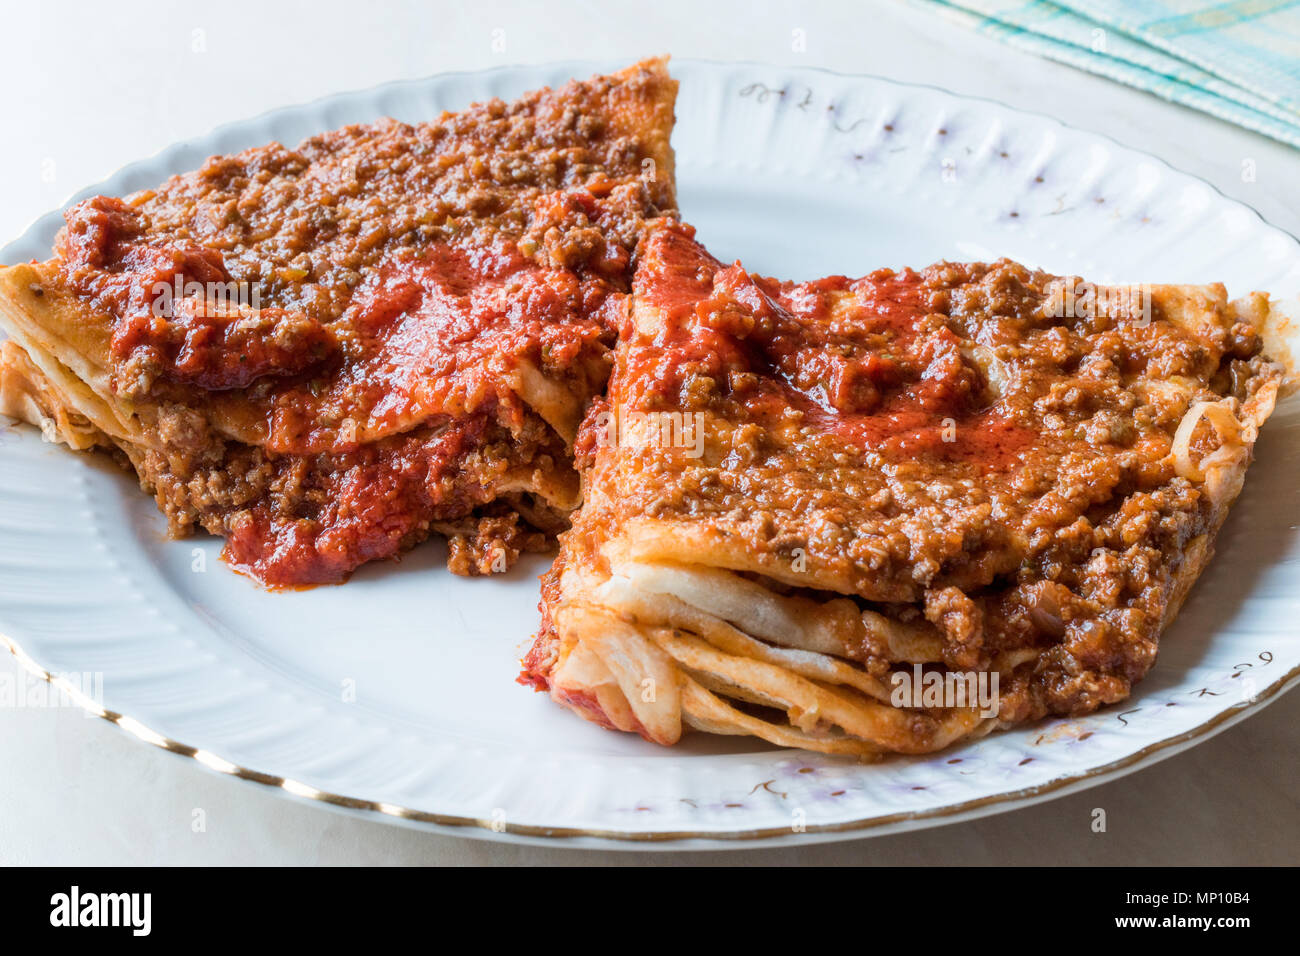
pixel 866 360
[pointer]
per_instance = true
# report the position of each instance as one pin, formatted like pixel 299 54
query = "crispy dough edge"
pixel 65 371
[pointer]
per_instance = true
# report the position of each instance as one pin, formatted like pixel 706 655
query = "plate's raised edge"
pixel 1150 754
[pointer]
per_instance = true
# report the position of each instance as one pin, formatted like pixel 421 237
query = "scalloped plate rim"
pixel 610 839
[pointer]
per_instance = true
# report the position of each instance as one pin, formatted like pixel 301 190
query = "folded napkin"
pixel 1239 61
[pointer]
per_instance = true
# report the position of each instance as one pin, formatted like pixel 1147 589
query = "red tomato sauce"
pixel 867 359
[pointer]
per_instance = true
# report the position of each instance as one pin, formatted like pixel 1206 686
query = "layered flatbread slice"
pixel 323 353
pixel 888 513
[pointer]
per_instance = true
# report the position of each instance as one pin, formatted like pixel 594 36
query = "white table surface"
pixel 91 86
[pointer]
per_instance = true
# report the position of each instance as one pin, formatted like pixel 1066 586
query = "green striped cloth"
pixel 1239 61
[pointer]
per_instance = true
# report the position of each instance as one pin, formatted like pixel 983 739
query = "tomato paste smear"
pixel 176 309
pixel 388 402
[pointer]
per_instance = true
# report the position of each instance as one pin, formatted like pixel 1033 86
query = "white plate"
pixel 394 694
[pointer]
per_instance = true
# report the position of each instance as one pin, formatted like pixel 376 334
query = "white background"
pixel 89 87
